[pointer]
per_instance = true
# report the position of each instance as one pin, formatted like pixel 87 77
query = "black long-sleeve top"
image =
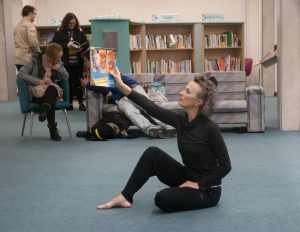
pixel 63 37
pixel 200 143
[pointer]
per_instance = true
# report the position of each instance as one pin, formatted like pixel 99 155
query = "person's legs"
pixel 178 199
pixel 128 108
pixel 77 83
pixel 48 102
pixel 166 130
pixel 75 73
pixel 153 162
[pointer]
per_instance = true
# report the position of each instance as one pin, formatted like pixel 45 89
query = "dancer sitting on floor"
pixel 197 183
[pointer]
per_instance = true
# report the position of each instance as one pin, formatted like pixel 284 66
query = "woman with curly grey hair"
pixel 196 183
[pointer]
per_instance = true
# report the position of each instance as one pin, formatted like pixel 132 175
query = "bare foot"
pixel 118 201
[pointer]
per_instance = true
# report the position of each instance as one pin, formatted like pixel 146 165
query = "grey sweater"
pixel 29 73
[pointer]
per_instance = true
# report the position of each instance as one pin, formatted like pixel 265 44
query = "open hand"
pixel 46 81
pixel 109 94
pixel 117 76
pixel 125 89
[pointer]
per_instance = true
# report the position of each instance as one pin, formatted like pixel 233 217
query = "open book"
pixel 103 61
pixel 75 44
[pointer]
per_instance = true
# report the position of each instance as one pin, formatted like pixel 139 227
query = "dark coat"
pixel 63 37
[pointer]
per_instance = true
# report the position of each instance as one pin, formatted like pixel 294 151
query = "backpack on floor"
pixel 111 125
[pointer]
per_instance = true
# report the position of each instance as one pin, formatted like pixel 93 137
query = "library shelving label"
pixel 212 18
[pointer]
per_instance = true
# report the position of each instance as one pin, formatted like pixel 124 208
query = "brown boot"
pixel 54 132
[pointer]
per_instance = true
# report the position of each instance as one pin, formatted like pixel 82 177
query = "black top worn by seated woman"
pixel 200 143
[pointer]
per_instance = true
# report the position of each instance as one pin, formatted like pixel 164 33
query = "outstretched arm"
pixel 167 116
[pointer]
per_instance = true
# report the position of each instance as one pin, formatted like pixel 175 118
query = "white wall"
pixel 288 64
pixel 138 10
pixel 253 37
pixel 11 15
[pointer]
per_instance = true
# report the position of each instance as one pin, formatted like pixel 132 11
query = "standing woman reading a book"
pixel 73 40
pixel 196 183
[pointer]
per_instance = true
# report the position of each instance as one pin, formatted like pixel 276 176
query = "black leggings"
pixel 50 97
pixel 75 73
pixel 155 162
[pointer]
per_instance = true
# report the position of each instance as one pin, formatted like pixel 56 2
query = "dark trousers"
pixel 50 97
pixel 155 162
pixel 75 73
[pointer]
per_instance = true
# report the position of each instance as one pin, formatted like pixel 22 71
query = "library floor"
pixel 55 186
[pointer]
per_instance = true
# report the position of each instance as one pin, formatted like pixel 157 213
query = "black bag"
pixel 111 125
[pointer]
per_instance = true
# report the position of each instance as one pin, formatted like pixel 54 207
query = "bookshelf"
pixel 137 47
pixel 143 46
pixel 165 48
pixel 223 47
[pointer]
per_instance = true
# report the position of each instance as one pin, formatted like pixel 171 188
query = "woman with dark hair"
pixel 73 41
pixel 41 73
pixel 197 183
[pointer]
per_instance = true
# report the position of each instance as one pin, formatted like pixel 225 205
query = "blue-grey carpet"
pixel 55 186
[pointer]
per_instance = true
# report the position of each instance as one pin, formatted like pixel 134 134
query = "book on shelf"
pixel 103 61
pixel 135 42
pixel 225 40
pixel 169 66
pixel 168 41
pixel 228 63
pixel 229 38
pixel 135 67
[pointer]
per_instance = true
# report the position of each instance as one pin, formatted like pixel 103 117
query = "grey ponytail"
pixel 207 94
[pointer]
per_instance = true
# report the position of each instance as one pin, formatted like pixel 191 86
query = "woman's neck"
pixel 192 113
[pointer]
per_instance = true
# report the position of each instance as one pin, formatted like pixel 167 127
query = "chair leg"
pixel 68 123
pixel 24 122
pixel 31 122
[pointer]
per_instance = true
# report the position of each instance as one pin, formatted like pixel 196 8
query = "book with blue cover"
pixel 103 61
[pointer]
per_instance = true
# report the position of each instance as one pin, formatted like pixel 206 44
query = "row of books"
pixel 226 39
pixel 168 41
pixel 169 66
pixel 136 67
pixel 228 63
pixel 135 42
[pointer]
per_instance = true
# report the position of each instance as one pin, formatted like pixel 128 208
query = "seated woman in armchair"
pixel 42 74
